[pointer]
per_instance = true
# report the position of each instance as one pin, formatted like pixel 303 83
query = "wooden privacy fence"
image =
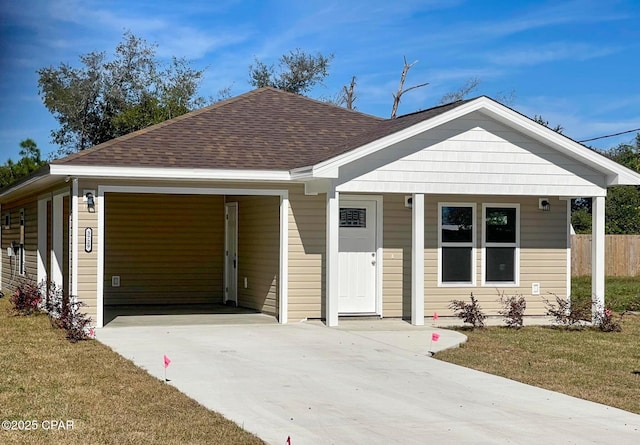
pixel 622 255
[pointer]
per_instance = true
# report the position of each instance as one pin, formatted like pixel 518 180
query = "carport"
pixel 180 251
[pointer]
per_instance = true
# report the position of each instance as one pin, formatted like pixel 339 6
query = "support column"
pixel 417 260
pixel 57 241
pixel 283 285
pixel 75 239
pixel 597 255
pixel 331 258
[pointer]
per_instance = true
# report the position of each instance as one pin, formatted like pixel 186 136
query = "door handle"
pixel 234 263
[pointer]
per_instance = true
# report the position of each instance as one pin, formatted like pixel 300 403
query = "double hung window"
pixel 456 240
pixel 501 240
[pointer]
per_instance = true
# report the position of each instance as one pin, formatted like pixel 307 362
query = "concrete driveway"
pixel 367 382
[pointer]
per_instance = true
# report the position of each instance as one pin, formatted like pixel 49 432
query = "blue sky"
pixel 574 62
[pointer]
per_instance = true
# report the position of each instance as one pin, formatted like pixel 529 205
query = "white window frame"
pixel 516 246
pixel 472 244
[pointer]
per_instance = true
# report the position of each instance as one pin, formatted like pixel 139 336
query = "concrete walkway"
pixel 362 383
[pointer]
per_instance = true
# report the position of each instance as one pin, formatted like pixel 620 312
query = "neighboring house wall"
pixel 166 249
pixel 11 266
pixel 258 251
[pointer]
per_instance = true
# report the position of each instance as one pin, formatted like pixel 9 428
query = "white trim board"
pixel 88 171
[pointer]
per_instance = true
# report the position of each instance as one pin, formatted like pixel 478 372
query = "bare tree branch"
pixel 397 96
pixel 349 94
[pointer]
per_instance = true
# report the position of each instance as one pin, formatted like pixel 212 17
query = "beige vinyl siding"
pixel 167 249
pixel 258 251
pixel 472 154
pixel 396 274
pixel 307 215
pixel 87 261
pixel 10 266
pixel 543 255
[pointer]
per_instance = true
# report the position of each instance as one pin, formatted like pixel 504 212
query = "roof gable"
pixel 615 173
pixel 473 154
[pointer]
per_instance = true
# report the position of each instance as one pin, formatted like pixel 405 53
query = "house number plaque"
pixel 88 239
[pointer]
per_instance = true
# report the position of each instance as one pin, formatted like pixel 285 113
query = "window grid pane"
pixel 456 264
pixel 456 224
pixel 353 217
pixel 500 225
pixel 500 264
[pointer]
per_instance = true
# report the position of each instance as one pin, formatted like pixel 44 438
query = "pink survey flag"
pixel 435 336
pixel 167 361
pixel 435 315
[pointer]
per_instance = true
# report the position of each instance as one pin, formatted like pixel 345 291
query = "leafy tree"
pixel 627 154
pixel 539 119
pixel 11 171
pixel 622 213
pixel 622 207
pixel 104 98
pixel 297 72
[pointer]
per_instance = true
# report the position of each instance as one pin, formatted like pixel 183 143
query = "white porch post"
pixel 597 256
pixel 332 270
pixel 75 239
pixel 57 241
pixel 417 260
pixel 283 286
pixel 42 240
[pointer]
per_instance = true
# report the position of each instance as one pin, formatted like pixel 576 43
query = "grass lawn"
pixel 43 377
pixel 621 293
pixel 600 366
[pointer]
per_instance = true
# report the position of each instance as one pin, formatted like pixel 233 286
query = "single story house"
pixel 302 209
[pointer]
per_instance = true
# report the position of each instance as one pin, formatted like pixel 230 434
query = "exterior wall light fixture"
pixel 544 204
pixel 91 202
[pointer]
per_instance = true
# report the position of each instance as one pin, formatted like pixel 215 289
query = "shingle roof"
pixel 265 129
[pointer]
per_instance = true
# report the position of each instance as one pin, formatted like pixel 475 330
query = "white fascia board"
pixel 80 171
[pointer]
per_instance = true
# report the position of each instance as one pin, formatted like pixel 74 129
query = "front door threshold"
pixel 361 316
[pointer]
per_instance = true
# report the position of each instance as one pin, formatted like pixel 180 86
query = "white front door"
pixel 357 256
pixel 231 253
